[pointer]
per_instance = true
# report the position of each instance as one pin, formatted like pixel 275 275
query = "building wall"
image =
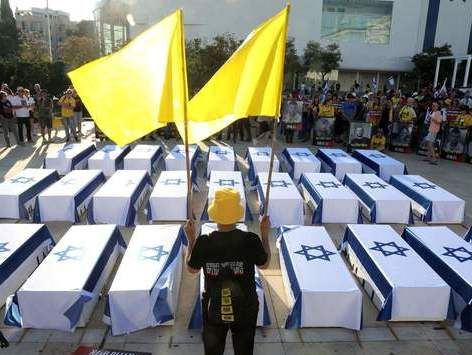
pixel 454 23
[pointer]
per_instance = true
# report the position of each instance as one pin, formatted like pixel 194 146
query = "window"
pixel 357 21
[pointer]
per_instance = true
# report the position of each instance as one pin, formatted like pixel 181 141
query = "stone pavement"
pixel 375 338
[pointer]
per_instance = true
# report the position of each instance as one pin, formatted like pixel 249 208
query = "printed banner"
pixel 360 134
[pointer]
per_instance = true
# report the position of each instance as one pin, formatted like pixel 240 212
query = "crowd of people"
pixel 25 114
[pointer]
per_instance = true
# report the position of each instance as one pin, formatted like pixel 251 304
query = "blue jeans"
pixel 70 127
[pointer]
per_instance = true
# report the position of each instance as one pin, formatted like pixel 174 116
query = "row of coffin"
pixel 57 287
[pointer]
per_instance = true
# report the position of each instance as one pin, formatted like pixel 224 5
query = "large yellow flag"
pixel 140 88
pixel 248 84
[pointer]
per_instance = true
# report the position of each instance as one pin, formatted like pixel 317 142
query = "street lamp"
pixel 49 30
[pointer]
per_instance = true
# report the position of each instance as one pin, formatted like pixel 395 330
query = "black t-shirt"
pixel 237 250
pixel 6 109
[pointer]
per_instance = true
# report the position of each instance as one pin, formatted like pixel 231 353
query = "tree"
pixel 320 59
pixel 77 51
pixel 425 64
pixel 293 67
pixel 33 49
pixel 8 31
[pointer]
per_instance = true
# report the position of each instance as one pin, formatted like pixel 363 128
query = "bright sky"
pixel 78 9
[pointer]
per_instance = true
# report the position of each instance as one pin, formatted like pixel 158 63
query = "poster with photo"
pixel 400 138
pixel 360 134
pixel 324 131
pixel 374 116
pixel 455 143
pixel 293 112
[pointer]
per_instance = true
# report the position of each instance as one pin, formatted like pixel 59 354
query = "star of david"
pixel 424 185
pixel 66 148
pixel 279 183
pixel 21 180
pixel 390 248
pixel 64 255
pixel 324 255
pixel 159 252
pixel 221 152
pixel 173 182
pixel 227 182
pixel 377 155
pixel 68 182
pixel 264 154
pixel 329 184
pixel 179 151
pixel 458 253
pixel 301 154
pixel 108 149
pixel 338 155
pixel 375 185
pixel 3 248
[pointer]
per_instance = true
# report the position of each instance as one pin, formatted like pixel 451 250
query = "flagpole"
pixel 187 150
pixel 274 129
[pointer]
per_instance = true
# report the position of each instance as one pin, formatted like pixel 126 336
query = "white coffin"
pixel 298 161
pixel 120 197
pixel 67 199
pixel 401 284
pixel 145 290
pixel 375 162
pixel 144 157
pixel 331 201
pixel 320 289
pixel 61 294
pixel 258 159
pixel 338 163
pixel 108 159
pixel 175 160
pixel 382 202
pixel 221 158
pixel 71 157
pixel 286 203
pixel 22 248
pixel 431 202
pixel 168 200
pixel 18 193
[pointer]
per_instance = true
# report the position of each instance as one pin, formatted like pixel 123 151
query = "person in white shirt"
pixel 21 105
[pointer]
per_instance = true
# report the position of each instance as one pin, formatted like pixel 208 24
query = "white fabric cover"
pixel 391 205
pixel 175 160
pixel 140 158
pixel 59 281
pixel 135 288
pixel 338 162
pixel 56 203
pixel 339 204
pixel 329 294
pixel 111 203
pixel 259 158
pixel 62 159
pixel 221 158
pixel 12 238
pixel 11 189
pixel 231 179
pixel 303 160
pixel 286 203
pixel 418 293
pixel 386 165
pixel 445 207
pixel 168 200
pixel 106 159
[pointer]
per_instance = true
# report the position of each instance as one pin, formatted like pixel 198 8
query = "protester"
pixel 435 120
pixel 78 113
pixel 67 103
pixel 44 108
pixel 21 106
pixel 8 121
pixel 228 257
pixel 378 141
pixel 407 113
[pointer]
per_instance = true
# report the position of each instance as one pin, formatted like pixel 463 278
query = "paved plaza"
pixel 376 338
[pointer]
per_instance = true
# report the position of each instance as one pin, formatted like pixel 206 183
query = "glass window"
pixel 358 21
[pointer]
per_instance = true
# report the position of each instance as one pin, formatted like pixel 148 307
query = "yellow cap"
pixel 226 207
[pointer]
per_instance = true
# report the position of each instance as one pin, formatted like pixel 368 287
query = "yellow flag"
pixel 248 84
pixel 140 88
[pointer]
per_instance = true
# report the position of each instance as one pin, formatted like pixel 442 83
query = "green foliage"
pixel 33 50
pixel 425 64
pixel 293 67
pixel 8 31
pixel 320 59
pixel 77 51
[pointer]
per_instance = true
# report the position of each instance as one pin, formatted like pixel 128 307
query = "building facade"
pixel 111 24
pixel 34 24
pixel 377 38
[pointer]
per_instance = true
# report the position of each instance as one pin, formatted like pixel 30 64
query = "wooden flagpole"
pixel 274 129
pixel 187 150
